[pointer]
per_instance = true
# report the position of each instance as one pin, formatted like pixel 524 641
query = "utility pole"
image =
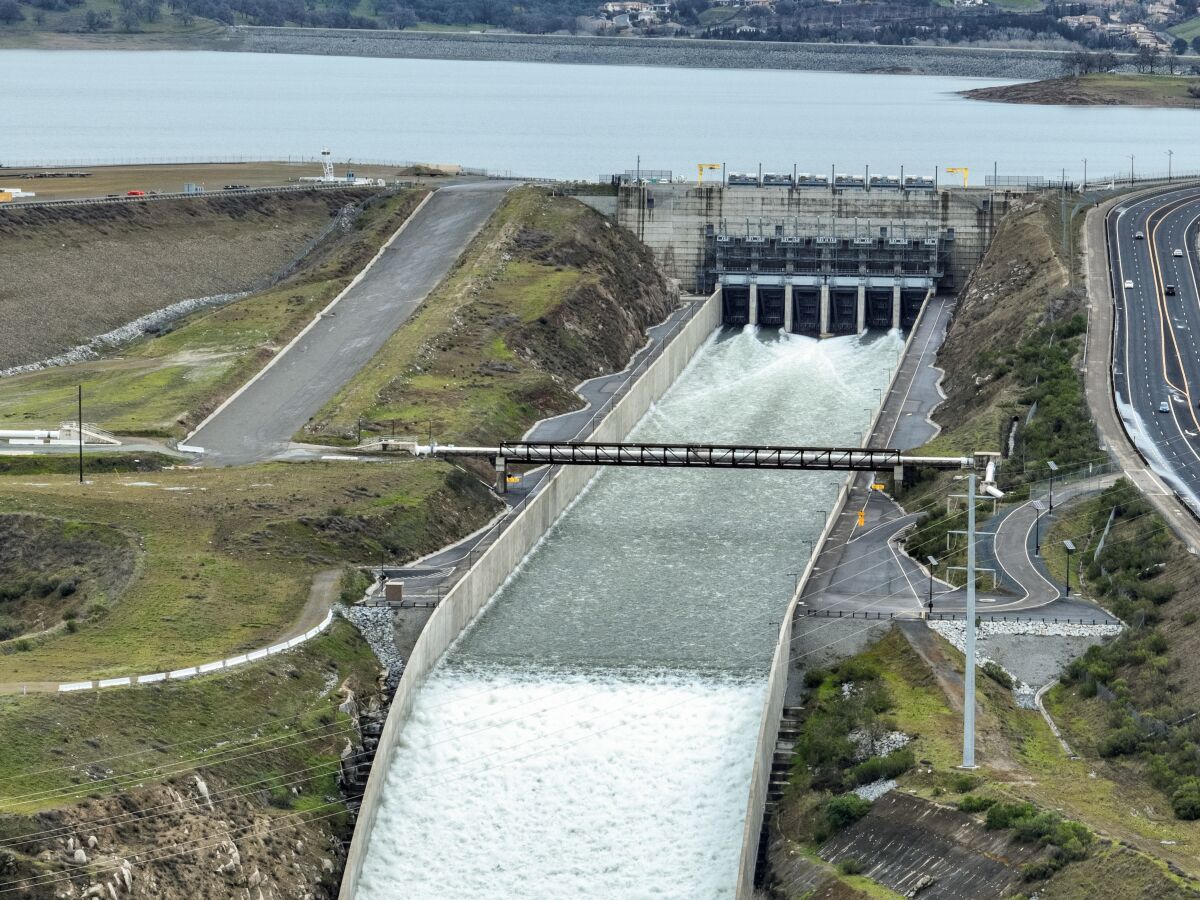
pixel 969 641
pixel 79 432
pixel 1084 175
pixel 1170 155
pixel 1130 168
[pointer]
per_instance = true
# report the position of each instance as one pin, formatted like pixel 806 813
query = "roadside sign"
pixel 878 486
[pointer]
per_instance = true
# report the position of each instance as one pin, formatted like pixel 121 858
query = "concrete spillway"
pixel 593 733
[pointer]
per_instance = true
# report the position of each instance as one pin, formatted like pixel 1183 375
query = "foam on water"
pixel 592 734
pixel 523 787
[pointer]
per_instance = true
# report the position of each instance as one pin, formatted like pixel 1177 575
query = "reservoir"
pixel 592 733
pixel 550 120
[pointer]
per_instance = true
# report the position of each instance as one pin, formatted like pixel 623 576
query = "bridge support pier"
pixel 753 303
pixel 501 475
pixel 860 321
pixel 896 305
pixel 824 331
pixel 788 312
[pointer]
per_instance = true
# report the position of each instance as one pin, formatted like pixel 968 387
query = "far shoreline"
pixel 1103 89
pixel 1015 64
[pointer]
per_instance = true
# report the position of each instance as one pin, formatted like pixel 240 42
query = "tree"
pixel 10 12
pixel 402 17
pixel 1171 59
pixel 1146 59
pixel 96 21
pixel 1196 44
pixel 1180 46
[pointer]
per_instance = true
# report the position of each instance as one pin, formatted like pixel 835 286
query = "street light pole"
pixel 1084 175
pixel 1131 168
pixel 79 433
pixel 1053 468
pixel 1070 548
pixel 1037 527
pixel 929 604
pixel 969 642
pixel 1170 155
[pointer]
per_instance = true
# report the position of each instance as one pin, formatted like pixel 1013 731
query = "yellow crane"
pixel 702 167
pixel 959 170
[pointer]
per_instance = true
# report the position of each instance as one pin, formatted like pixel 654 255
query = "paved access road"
pixel 259 421
pixel 1154 269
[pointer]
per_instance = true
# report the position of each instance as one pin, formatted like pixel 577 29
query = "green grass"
pixel 175 726
pixel 1187 29
pixel 227 556
pixel 163 386
pixel 1072 523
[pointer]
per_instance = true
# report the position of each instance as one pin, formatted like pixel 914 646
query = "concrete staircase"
pixel 781 767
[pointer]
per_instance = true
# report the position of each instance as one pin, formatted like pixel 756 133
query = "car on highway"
pixel 1164 406
pixel 1170 290
pixel 1139 236
pixel 1128 284
pixel 135 193
pixel 1177 252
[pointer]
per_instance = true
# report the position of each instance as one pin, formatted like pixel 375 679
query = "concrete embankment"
pixel 972 62
pixel 474 590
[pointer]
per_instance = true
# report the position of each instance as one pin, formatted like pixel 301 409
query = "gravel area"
pixel 374 623
pixel 875 789
pixel 1033 653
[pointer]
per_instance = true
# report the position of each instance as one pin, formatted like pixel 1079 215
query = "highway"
pixel 1156 362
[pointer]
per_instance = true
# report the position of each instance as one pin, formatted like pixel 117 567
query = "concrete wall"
pixel 675 226
pixel 768 731
pixel 473 591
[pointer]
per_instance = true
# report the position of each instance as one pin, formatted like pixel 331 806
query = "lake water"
pixel 550 120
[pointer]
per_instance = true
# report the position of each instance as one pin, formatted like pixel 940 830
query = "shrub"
pixel 973 803
pixel 850 866
pixel 1122 742
pixel 857 669
pixel 1037 871
pixel 878 768
pixel 844 810
pixel 1003 815
pixel 1186 800
pixel 814 677
pixel 962 783
pixel 995 671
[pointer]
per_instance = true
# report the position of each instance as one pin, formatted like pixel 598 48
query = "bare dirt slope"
pixel 1004 300
pixel 71 273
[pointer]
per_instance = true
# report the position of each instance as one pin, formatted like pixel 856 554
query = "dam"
pixel 593 731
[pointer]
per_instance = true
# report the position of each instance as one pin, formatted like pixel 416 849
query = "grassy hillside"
pixel 898 685
pixel 164 385
pixel 75 272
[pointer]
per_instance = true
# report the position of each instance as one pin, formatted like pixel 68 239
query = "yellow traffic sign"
pixel 878 486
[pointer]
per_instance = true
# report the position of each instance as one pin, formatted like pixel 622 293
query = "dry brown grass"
pixel 75 272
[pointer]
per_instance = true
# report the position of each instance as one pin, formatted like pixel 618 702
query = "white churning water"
pixel 592 734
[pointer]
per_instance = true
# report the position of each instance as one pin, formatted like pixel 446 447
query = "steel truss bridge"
pixel 700 456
